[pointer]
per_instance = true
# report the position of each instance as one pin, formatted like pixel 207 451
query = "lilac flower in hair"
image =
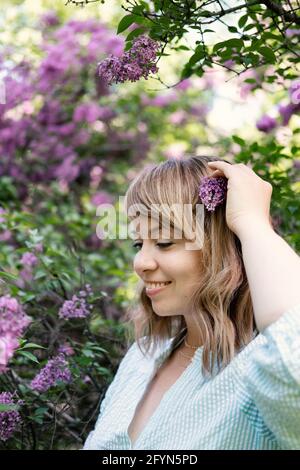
pixel 212 191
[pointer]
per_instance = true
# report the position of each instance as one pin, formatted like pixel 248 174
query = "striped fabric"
pixel 253 403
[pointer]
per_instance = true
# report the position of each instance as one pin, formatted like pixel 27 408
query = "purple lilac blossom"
pixel 8 345
pixel 132 65
pixel 292 32
pixel 9 420
pixel 13 319
pixel 66 349
pixel 212 191
pixel 101 197
pixel 286 111
pixel 294 92
pixel 55 370
pixel 78 306
pixel 266 123
pixel 29 259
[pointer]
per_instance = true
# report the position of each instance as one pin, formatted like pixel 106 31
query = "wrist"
pixel 255 229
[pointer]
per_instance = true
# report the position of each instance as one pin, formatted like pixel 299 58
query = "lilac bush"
pixel 10 419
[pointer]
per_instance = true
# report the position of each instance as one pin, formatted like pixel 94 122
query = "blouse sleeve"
pixel 112 388
pixel 273 378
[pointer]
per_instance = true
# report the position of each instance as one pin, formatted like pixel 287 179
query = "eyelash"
pixel 161 245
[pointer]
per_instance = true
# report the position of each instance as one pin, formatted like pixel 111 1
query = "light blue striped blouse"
pixel 253 403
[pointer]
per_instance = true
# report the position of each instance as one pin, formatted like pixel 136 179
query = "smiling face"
pixel 161 259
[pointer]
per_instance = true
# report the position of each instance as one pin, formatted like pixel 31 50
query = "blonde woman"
pixel 216 359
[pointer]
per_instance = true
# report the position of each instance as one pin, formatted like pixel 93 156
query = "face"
pixel 166 260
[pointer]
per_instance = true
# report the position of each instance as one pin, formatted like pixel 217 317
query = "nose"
pixel 144 260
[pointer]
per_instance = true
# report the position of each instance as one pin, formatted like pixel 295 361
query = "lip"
pixel 156 290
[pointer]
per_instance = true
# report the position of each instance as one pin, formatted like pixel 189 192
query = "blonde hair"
pixel 221 305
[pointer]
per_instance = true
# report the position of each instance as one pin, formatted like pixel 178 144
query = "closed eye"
pixel 161 245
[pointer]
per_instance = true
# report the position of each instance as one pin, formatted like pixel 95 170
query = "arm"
pixel 272 267
pixel 273 272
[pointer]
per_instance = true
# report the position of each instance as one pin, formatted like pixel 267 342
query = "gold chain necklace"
pixel 189 346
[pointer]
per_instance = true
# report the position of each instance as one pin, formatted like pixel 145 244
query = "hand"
pixel 248 196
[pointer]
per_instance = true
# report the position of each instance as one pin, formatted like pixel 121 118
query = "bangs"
pixel 167 193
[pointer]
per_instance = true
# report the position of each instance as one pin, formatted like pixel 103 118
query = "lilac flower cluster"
pixel 132 65
pixel 55 370
pixel 29 259
pixel 78 306
pixel 9 420
pixel 212 192
pixel 8 345
pixel 266 123
pixel 66 349
pixel 13 321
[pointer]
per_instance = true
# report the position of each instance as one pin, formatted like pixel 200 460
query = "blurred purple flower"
pixel 294 92
pixel 88 112
pixel 13 320
pixel 184 85
pixel 266 123
pixel 286 111
pixel 50 19
pixel 178 117
pixel 68 170
pixel 8 345
pixel 29 259
pixel 66 349
pixel 292 32
pixel 102 197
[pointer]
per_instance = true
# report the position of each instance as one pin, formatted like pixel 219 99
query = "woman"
pixel 216 361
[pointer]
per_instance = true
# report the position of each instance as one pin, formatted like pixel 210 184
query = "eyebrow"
pixel 155 231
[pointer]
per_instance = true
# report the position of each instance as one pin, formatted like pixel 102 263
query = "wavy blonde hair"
pixel 221 305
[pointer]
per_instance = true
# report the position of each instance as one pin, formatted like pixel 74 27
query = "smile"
pixel 150 291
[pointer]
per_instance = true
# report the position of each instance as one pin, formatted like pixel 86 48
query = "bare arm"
pixel 273 272
pixel 272 267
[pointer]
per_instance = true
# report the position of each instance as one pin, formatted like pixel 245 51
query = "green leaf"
pixel 29 356
pixel 229 44
pixel 9 276
pixel 267 53
pixel 199 54
pixel 31 345
pixel 8 407
pixel 133 34
pixel 242 21
pixel 126 21
pixel 238 140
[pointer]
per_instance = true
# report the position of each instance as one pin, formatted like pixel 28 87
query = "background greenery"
pixel 55 168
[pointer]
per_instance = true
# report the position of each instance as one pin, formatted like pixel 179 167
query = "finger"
pixel 223 167
pixel 216 173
